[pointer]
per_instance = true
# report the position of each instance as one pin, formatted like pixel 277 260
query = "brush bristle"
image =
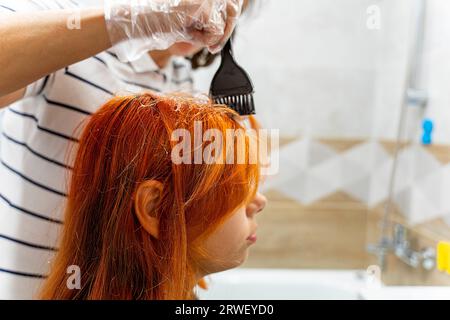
pixel 242 104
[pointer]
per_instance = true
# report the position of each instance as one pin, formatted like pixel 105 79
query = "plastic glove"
pixel 138 26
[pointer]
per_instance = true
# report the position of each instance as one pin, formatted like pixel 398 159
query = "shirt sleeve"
pixel 36 88
pixel 6 8
pixel 12 6
pixel 182 75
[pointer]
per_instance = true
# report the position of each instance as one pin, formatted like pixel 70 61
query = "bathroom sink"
pixel 286 284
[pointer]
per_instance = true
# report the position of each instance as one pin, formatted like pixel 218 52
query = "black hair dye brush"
pixel 232 86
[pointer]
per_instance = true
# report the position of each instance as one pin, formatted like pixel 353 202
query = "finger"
pixel 233 12
pixel 231 24
pixel 204 38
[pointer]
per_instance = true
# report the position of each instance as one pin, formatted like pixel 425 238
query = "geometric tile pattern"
pixel 310 170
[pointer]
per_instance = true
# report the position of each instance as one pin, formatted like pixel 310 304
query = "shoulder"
pixel 182 73
pixel 181 64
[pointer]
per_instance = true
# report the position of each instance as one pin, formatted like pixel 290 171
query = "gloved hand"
pixel 138 26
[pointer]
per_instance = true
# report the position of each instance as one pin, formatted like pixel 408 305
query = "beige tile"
pixel 333 233
pixel 328 235
pixel 342 145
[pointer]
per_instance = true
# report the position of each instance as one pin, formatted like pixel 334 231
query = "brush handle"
pixel 228 61
pixel 227 49
pixel 231 79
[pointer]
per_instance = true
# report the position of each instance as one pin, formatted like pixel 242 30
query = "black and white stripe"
pixel 39 136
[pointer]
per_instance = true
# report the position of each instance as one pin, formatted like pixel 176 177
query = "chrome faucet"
pixel 400 245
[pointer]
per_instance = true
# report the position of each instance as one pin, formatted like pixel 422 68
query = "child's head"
pixel 141 225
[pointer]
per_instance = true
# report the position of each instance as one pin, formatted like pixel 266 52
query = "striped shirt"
pixel 36 134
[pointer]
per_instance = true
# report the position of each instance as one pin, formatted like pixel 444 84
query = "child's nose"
pixel 257 205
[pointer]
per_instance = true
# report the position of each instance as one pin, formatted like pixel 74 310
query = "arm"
pixel 39 43
pixel 36 44
pixel 12 97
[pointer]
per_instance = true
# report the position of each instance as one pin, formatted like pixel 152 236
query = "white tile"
pixel 414 162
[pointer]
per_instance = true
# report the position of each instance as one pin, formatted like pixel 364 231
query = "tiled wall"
pixel 312 222
pixel 321 74
pixel 320 71
pixel 436 70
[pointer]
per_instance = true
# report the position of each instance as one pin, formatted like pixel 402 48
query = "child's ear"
pixel 146 201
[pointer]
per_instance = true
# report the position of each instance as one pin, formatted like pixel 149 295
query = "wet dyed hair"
pixel 128 141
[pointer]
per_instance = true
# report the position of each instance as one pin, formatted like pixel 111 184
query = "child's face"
pixel 228 246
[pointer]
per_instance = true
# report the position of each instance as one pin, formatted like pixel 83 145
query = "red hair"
pixel 128 141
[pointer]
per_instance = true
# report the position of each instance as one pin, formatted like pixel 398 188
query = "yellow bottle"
pixel 443 256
